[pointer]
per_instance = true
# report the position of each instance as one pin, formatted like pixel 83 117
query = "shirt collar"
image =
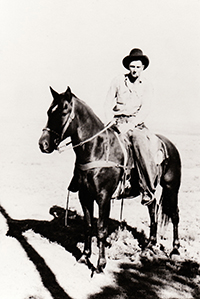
pixel 139 80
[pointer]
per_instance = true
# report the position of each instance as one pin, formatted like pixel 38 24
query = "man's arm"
pixel 110 102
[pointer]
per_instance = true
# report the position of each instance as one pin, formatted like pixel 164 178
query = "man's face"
pixel 136 67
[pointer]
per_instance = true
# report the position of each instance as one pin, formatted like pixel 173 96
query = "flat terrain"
pixel 37 252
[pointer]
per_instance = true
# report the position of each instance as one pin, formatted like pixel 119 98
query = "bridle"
pixel 51 131
pixel 82 142
pixel 66 125
pixel 94 164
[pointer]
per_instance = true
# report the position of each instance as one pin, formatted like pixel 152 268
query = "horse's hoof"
pixel 83 259
pixel 152 242
pixel 101 265
pixel 99 270
pixel 150 245
pixel 175 251
pixel 147 254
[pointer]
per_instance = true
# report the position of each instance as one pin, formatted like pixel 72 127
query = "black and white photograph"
pixel 100 149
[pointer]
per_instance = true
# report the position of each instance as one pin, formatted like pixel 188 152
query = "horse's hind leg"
pixel 170 210
pixel 175 221
pixel 153 224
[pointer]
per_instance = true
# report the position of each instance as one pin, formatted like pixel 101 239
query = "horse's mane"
pixel 84 109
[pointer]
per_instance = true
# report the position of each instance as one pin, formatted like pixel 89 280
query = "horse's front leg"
pixel 102 228
pixel 153 224
pixel 88 206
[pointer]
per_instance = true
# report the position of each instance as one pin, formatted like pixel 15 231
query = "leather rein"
pixel 93 164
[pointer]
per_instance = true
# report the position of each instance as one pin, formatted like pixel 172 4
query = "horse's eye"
pixel 64 113
pixel 65 105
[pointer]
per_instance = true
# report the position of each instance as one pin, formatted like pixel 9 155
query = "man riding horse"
pixel 102 163
pixel 127 104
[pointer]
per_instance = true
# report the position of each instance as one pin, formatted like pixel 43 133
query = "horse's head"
pixel 60 116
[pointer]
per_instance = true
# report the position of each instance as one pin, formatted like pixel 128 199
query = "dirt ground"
pixel 38 253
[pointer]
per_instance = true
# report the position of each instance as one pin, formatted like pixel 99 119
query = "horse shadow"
pixel 66 236
pixel 15 230
pixel 158 279
pixel 145 280
pixel 55 231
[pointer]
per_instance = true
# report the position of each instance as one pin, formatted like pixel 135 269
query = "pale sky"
pixel 81 44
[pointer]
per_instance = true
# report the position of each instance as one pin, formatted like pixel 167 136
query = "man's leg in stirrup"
pixel 146 166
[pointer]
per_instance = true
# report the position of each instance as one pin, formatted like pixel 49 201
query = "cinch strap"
pixel 98 164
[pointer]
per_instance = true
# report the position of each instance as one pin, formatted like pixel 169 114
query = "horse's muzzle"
pixel 46 145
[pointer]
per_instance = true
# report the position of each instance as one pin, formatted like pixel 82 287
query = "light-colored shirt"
pixel 130 99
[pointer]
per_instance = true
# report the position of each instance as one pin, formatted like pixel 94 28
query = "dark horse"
pixel 100 159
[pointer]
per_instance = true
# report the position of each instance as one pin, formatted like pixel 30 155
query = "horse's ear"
pixel 54 93
pixel 68 94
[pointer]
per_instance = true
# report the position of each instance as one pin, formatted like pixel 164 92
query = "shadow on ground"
pixel 150 278
pixel 161 278
pixel 67 236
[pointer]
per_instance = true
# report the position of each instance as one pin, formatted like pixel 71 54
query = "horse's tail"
pixel 169 203
pixel 170 182
pixel 165 208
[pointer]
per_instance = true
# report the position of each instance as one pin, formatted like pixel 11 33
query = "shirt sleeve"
pixel 111 100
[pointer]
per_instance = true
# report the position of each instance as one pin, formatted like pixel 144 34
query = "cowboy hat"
pixel 135 54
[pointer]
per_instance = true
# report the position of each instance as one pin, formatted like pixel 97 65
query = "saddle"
pixel 129 184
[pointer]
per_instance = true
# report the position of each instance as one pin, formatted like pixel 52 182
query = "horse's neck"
pixel 87 123
pixel 88 149
pixel 87 118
